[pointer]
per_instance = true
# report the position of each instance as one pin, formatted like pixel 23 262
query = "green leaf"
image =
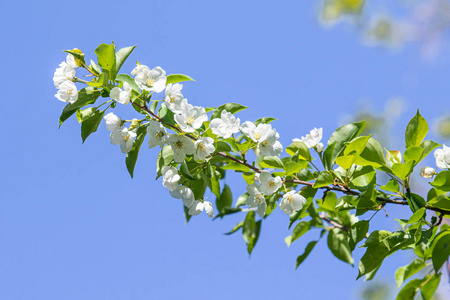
pixel 429 286
pixel 175 78
pixel 85 114
pixel 413 154
pixel 417 216
pixel 428 146
pixel 391 186
pixel 86 96
pixel 372 155
pixel 222 146
pixel 337 242
pixel 324 179
pixel 229 107
pixel 198 187
pixel 362 177
pixel 106 56
pixel 441 250
pixel 236 228
pixel 291 167
pixel 416 131
pixel 342 135
pixel 236 166
pixel 271 162
pixel 122 55
pixel 305 254
pixel 250 231
pixel 357 233
pixel 409 291
pixel 225 199
pixel 380 244
pixel 90 123
pixel 265 120
pixel 442 181
pixel 301 149
pixel 405 272
pixel 299 230
pixel 415 201
pixel 128 79
pixel 402 171
pixel 184 170
pixel 329 203
pixel 78 55
pixel 132 155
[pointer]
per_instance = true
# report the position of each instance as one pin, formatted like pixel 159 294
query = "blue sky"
pixel 73 225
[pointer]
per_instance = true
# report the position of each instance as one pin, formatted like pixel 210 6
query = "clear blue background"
pixel 73 225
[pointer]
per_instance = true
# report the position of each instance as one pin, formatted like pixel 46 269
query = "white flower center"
pixel 69 92
pixel 190 120
pixel 150 81
pixel 259 198
pixel 291 199
pixel 266 143
pixel 179 145
pixel 257 135
pixel 172 99
pixel 126 137
pixel 201 147
pixel 159 135
pixel 271 183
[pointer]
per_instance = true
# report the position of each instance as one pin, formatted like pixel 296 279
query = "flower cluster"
pixel 63 80
pixel 171 181
pixel 312 140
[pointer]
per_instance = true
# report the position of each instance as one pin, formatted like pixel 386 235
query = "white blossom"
pixel 185 194
pixel 121 96
pixel 70 60
pixel 269 184
pixel 226 125
pixel 319 147
pixel 312 139
pixel 174 97
pixel 203 148
pixel 199 206
pixel 124 138
pixel 292 202
pixel 67 92
pixel 190 117
pixel 256 133
pixel 181 146
pixel 63 73
pixel 256 199
pixel 152 80
pixel 427 172
pixel 157 134
pixel 170 177
pixel 113 122
pixel 271 146
pixel 442 157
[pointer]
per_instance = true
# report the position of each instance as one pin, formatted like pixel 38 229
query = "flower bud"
pixel 427 172
pixel 319 148
pixel 134 124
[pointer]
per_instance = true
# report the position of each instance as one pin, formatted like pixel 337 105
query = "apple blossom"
pixel 312 139
pixel 199 206
pixel 185 194
pixel 152 80
pixel 124 138
pixel 427 172
pixel 442 157
pixel 226 125
pixel 113 122
pixel 256 133
pixel 63 73
pixel 256 199
pixel 203 148
pixel 271 146
pixel 181 146
pixel 190 117
pixel 170 177
pixel 269 184
pixel 67 92
pixel 157 134
pixel 174 97
pixel 121 96
pixel 292 202
pixel 70 60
